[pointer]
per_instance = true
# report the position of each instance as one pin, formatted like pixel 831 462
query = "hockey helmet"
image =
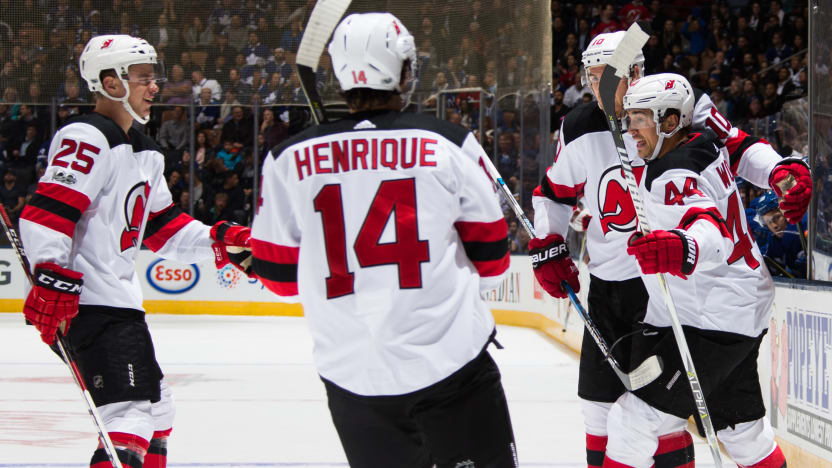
pixel 117 52
pixel 368 50
pixel 600 50
pixel 767 203
pixel 660 93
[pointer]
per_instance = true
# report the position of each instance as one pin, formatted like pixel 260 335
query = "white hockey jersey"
pixel 388 230
pixel 586 164
pixel 692 188
pixel 102 192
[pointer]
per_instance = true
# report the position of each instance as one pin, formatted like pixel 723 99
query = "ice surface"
pixel 247 395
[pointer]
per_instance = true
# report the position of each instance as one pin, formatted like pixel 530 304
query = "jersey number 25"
pixel 407 252
pixel 83 155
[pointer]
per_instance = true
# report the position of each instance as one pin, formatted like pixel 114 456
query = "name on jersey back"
pixel 358 154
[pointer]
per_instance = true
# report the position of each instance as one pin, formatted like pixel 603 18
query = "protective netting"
pixel 232 92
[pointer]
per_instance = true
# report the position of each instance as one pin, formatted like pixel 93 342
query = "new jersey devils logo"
pixel 134 205
pixel 614 203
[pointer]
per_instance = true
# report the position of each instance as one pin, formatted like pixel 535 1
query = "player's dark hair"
pixel 367 98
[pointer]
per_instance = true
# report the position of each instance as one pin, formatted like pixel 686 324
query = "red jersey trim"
pixel 168 230
pixel 472 231
pixel 49 220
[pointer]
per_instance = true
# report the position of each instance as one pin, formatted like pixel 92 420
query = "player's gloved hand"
pixel 795 201
pixel 232 245
pixel 552 264
pixel 53 300
pixel 674 252
pixel 580 220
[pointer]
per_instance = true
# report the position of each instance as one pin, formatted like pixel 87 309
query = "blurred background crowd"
pixel 232 92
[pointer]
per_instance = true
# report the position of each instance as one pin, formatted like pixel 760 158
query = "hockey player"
pixel 388 229
pixel 102 193
pixel 714 271
pixel 586 164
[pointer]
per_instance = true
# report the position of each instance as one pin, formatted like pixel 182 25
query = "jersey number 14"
pixel 407 252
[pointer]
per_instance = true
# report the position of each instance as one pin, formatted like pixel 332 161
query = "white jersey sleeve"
pixel 80 165
pixel 480 224
pixel 560 190
pixel 751 158
pixel 275 234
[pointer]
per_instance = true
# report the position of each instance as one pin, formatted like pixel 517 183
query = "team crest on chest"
pixel 134 207
pixel 614 202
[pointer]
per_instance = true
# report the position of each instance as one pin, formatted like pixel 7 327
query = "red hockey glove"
pixel 53 300
pixel 674 252
pixel 795 201
pixel 232 245
pixel 580 220
pixel 552 264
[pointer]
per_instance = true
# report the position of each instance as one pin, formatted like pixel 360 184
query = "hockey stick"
pixel 322 22
pixel 616 69
pixel 642 375
pixel 571 303
pixel 17 245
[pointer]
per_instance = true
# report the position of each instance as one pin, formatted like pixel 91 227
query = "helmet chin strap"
pixel 125 103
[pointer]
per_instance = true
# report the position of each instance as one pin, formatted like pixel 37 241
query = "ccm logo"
pixel 552 252
pixel 171 277
pixel 47 280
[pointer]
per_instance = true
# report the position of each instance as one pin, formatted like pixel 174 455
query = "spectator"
pixel 292 36
pixel 200 81
pixel 557 111
pixel 164 37
pixel 506 155
pixel 207 111
pixel 177 90
pixel 221 48
pixel 228 105
pixel 240 88
pixel 237 34
pixel 779 50
pixel 273 130
pixel 219 211
pixel 278 63
pixel 632 12
pixel 12 195
pixel 784 252
pixel 694 31
pixel 229 155
pixel 175 184
pixel 607 22
pixel 254 49
pixel 574 94
pixel 197 36
pixel 236 196
pixel 173 134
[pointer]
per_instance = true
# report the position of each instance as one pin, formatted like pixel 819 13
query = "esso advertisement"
pixel 172 277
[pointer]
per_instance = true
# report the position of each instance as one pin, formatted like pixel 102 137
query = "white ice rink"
pixel 247 395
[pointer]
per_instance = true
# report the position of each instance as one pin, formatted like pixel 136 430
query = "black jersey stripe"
pixel 56 207
pixel 278 272
pixel 159 221
pixel 486 251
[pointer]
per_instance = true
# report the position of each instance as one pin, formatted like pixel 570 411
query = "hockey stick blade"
pixel 322 22
pixel 645 373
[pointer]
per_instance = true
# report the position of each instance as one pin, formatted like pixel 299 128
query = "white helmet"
pixel 116 52
pixel 660 93
pixel 368 50
pixel 601 48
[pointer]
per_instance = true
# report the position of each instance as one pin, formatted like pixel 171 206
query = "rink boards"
pixel 795 357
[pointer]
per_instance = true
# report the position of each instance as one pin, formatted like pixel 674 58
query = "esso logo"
pixel 172 277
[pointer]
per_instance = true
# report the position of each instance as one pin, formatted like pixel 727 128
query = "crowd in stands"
pixel 223 57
